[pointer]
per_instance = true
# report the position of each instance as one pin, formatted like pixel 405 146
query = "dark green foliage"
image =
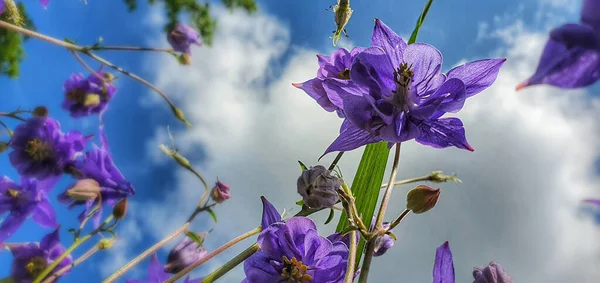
pixel 11 45
pixel 199 13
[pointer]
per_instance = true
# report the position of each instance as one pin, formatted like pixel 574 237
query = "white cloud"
pixel 532 165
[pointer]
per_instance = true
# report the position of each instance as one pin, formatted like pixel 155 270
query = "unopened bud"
pixel 184 59
pixel 3 146
pixel 185 253
pixel 493 273
pixel 318 187
pixel 440 177
pixel 180 116
pixel 84 190
pixel 421 199
pixel 40 111
pixel 220 192
pixel 175 155
pixel 120 209
pixel 106 243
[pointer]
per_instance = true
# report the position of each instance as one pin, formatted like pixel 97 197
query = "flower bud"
pixel 318 187
pixel 120 209
pixel 84 190
pixel 182 37
pixel 220 192
pixel 440 177
pixel 3 146
pixel 384 242
pixel 106 243
pixel 186 252
pixel 40 111
pixel 184 59
pixel 493 273
pixel 421 199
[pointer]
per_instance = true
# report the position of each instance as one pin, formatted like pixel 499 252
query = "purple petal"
pixel 10 225
pixel 1 7
pixel 401 130
pixel 314 88
pixel 51 240
pixel 389 41
pixel 442 133
pixel 259 270
pixel 358 111
pixel 374 69
pixel 156 271
pixel 45 3
pixel 351 138
pixel 454 95
pixel 443 269
pixel 270 214
pixel 44 214
pixel 426 63
pixel 592 201
pixel 315 247
pixel 590 13
pixel 477 75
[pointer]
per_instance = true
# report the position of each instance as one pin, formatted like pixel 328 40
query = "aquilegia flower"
pixel 220 192
pixel 182 37
pixel 156 274
pixel 23 200
pixel 41 150
pixel 30 259
pixel 571 57
pixel 396 93
pixel 98 165
pixel 84 96
pixel 493 273
pixel 318 187
pixel 293 251
pixel 186 252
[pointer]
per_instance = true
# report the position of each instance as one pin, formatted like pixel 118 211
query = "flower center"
pixel 35 266
pixel 77 95
pixel 345 74
pixel 295 271
pixel 403 76
pixel 38 150
pixel 12 193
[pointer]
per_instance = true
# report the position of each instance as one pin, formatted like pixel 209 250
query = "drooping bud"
pixel 318 187
pixel 106 243
pixel 184 59
pixel 493 273
pixel 186 252
pixel 84 190
pixel 383 243
pixel 180 116
pixel 220 192
pixel 182 37
pixel 40 111
pixel 421 199
pixel 120 209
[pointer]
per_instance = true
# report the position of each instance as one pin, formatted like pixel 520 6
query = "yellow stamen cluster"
pixel 12 193
pixel 35 266
pixel 295 271
pixel 38 150
pixel 345 74
pixel 77 95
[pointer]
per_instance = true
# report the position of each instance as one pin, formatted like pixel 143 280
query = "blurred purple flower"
pixel 334 68
pixel 593 201
pixel 1 7
pixel 45 3
pixel 156 274
pixel 23 200
pixel 397 93
pixel 84 96
pixel 30 259
pixel 493 273
pixel 294 251
pixel 186 252
pixel 98 165
pixel 182 37
pixel 41 150
pixel 443 269
pixel 571 57
pixel 220 192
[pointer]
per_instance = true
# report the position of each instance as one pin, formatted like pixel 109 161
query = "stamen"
pixel 38 150
pixel 12 193
pixel 295 271
pixel 35 266
pixel 345 74
pixel 77 95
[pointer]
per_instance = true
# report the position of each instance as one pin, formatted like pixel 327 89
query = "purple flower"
pixel 318 187
pixel 182 37
pixel 186 252
pixel 397 93
pixel 382 243
pixel 220 192
pixel 493 273
pixel 31 259
pixel 98 165
pixel 334 68
pixel 24 200
pixel 156 274
pixel 593 201
pixel 84 96
pixel 293 251
pixel 571 57
pixel 41 150
pixel 443 269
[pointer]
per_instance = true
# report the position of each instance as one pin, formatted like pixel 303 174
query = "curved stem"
pixel 65 269
pixel 231 264
pixel 351 259
pixel 130 48
pixel 408 181
pixel 336 160
pixel 30 33
pixel 398 219
pixel 213 254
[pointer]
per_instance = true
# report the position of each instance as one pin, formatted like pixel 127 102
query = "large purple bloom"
pixel 397 93
pixel 84 96
pixel 182 37
pixel 571 57
pixel 333 68
pixel 293 251
pixel 156 274
pixel 31 259
pixel 98 165
pixel 41 150
pixel 23 200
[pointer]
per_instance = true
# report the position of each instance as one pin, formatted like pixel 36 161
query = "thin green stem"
pixel 78 261
pixel 213 254
pixel 129 48
pixel 231 264
pixel 398 219
pixel 351 259
pixel 336 160
pixel 408 181
pixel 69 250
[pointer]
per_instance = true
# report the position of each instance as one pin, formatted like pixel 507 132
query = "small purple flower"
pixel 220 192
pixel 98 165
pixel 334 68
pixel 382 243
pixel 318 187
pixel 397 93
pixel 24 200
pixel 182 37
pixel 493 273
pixel 443 269
pixel 186 252
pixel 41 150
pixel 571 57
pixel 293 251
pixel 30 259
pixel 156 274
pixel 84 96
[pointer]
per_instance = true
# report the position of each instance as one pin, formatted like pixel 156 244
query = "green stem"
pixel 336 160
pixel 231 264
pixel 54 264
pixel 351 259
pixel 398 219
pixel 130 48
pixel 81 259
pixel 413 37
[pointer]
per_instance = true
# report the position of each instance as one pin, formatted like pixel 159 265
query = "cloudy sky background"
pixel 536 151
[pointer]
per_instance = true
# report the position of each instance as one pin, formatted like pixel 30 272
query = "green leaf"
pixel 212 214
pixel 330 217
pixel 11 44
pixel 413 37
pixel 300 202
pixel 366 186
pixel 302 166
pixel 194 237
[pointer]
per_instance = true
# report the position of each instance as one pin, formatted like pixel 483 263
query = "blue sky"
pixel 507 189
